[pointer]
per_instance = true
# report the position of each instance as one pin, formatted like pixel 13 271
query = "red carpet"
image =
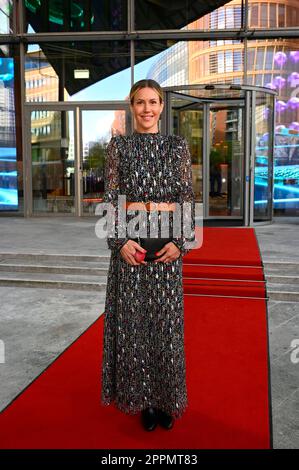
pixel 227 379
pixel 228 264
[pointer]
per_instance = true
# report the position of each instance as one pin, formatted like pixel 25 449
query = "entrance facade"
pixel 229 129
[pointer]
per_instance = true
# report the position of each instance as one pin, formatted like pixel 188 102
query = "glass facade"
pixel 86 51
pixel 49 16
pixel 9 160
pixel 6 16
pixel 52 138
pixel 55 71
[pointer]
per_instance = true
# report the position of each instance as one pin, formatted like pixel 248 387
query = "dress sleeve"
pixel 186 195
pixel 112 192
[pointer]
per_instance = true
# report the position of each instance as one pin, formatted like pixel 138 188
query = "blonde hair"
pixel 146 83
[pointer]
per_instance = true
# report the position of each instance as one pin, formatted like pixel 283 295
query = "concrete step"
pixel 287 292
pixel 55 257
pixel 53 276
pixel 33 268
pixel 53 284
pixel 54 280
pixel 282 268
pixel 276 279
pixel 282 287
pixel 53 262
pixel 282 280
pixel 82 272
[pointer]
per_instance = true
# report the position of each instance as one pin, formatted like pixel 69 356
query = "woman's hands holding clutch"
pixel 169 252
pixel 133 253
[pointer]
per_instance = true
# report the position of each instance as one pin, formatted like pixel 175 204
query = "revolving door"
pixel 230 130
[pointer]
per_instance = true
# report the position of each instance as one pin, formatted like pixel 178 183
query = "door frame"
pixel 77 107
pixel 228 105
pixel 206 107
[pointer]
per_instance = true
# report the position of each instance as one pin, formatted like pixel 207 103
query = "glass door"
pixel 187 119
pixel 230 131
pixel 215 133
pixel 226 160
pixel 52 150
pixel 98 126
pixel 262 155
pixel 66 153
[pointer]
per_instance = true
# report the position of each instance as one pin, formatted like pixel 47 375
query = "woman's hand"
pixel 128 252
pixel 169 252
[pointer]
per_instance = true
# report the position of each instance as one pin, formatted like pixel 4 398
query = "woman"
pixel 143 353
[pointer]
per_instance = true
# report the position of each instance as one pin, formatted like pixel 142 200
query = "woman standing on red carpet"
pixel 143 354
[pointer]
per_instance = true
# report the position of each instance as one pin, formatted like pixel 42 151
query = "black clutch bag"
pixel 152 245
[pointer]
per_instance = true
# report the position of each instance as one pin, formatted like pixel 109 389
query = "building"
pixel 65 73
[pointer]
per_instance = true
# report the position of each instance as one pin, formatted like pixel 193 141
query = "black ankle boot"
pixel 149 419
pixel 165 419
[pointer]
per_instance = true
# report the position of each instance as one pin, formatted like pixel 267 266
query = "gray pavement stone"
pixel 37 325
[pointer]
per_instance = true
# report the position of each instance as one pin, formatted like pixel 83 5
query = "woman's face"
pixel 146 110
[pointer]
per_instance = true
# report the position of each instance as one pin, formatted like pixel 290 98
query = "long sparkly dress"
pixel 143 351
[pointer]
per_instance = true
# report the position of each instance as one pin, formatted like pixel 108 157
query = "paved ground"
pixel 38 324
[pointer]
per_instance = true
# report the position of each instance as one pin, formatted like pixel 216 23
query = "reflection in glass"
pixel 189 123
pixel 52 148
pixel 97 129
pixel 55 16
pixel 8 151
pixel 263 167
pixel 226 162
pixel 53 71
pixel 189 62
pixel 285 81
pixel 6 16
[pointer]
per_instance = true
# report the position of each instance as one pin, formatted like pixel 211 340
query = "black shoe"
pixel 165 419
pixel 149 419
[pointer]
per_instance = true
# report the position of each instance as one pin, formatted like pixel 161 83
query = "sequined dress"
pixel 143 361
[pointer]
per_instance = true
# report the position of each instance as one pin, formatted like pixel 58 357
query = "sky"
pixel 114 87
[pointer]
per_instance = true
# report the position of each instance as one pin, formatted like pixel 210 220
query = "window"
pixel 213 63
pixel 259 80
pixel 221 19
pixel 260 58
pixel 229 17
pixel 269 58
pixel 221 62
pixel 228 61
pixel 237 61
pixel 237 17
pixel 264 15
pixel 272 16
pixel 281 16
pixel 293 17
pixel 250 59
pixel 214 20
pixel 253 15
pixel 267 78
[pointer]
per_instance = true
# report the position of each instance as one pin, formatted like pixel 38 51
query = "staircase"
pixel 88 272
pixel 282 280
pixel 80 272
